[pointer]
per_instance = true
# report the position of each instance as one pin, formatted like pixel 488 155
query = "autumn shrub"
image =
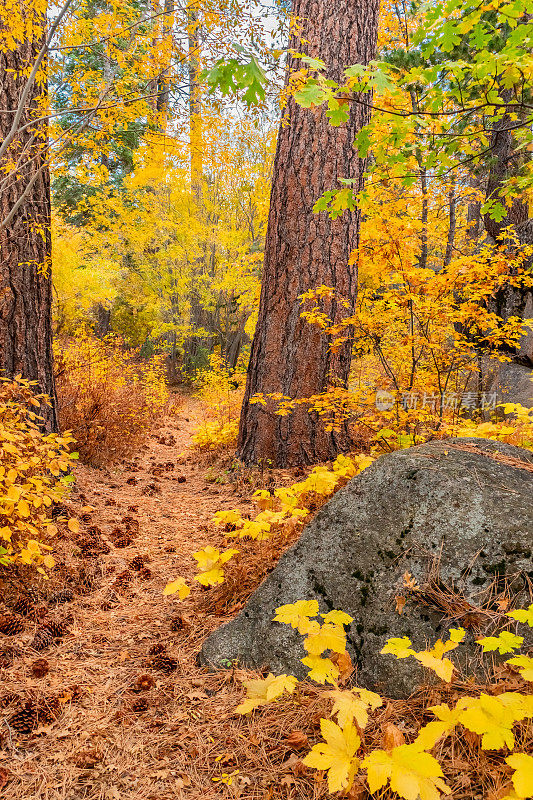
pixel 419 340
pixel 108 398
pixel 221 390
pixel 33 476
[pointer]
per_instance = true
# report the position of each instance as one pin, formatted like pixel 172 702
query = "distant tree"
pixel 304 250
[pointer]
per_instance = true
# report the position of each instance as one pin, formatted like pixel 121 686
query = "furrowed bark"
pixel 305 250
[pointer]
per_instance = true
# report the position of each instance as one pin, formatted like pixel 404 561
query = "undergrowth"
pixel 34 476
pixel 221 390
pixel 108 398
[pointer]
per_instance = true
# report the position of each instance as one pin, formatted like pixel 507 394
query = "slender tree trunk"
pixel 25 242
pixel 305 250
pixel 195 119
pixel 506 161
pixel 452 224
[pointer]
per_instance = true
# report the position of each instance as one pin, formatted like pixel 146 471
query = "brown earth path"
pixel 183 736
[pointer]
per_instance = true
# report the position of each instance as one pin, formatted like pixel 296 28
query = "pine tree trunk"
pixel 25 243
pixel 305 250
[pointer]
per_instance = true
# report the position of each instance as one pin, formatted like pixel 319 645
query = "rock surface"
pixel 435 503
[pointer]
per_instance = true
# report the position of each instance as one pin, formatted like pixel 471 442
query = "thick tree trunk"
pixel 25 243
pixel 305 250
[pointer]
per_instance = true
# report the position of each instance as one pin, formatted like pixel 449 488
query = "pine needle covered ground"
pixel 118 706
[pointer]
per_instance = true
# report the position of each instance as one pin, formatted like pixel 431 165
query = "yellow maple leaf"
pixel 524 664
pixel 400 647
pixel 505 642
pixel 337 618
pixel 178 587
pixel 442 667
pixel 492 718
pixel 523 615
pixel 321 670
pixel 523 773
pixel 353 705
pixel 429 735
pixel 412 772
pixel 325 637
pixel 262 691
pixel 336 754
pixel 297 614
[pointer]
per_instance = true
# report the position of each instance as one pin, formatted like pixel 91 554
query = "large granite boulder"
pixel 464 515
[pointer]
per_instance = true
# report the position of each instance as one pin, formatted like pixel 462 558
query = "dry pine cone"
pixel 140 705
pixel 63 596
pixel 164 663
pixel 10 625
pixel 25 719
pixel 23 606
pixel 144 683
pixel 40 667
pixel 42 640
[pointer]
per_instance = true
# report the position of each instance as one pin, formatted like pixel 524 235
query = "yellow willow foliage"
pixel 221 390
pixel 21 20
pixel 33 476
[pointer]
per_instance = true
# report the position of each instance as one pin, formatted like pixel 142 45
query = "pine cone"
pixel 137 562
pixel 7 699
pixel 56 628
pixel 48 710
pixel 123 541
pixel 144 683
pixel 42 640
pixel 59 510
pixel 145 574
pixel 131 523
pixel 124 578
pixel 10 625
pixel 132 481
pixel 23 606
pixel 63 596
pixel 25 719
pixel 157 648
pixel 139 706
pixel 85 517
pixel 165 664
pixel 182 479
pixel 40 667
pixel 179 623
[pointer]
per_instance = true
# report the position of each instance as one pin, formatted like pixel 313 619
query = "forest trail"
pixel 180 737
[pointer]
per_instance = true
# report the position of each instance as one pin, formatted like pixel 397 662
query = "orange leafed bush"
pixel 32 467
pixel 107 398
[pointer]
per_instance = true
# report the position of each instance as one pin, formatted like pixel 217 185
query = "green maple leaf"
pixel 310 95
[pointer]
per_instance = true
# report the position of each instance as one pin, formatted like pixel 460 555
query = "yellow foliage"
pixel 178 587
pixel 260 692
pixel 210 561
pixel 33 476
pixel 336 754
